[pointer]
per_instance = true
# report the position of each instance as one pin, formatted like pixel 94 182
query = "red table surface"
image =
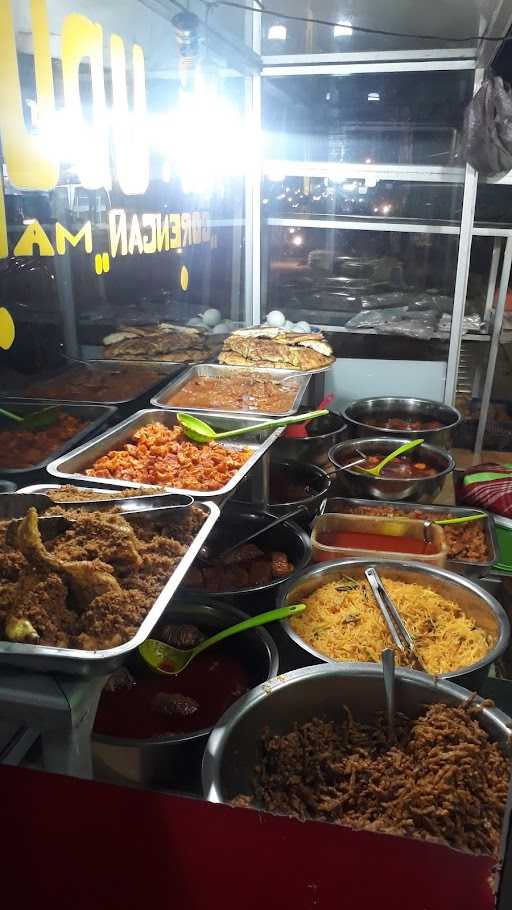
pixel 74 844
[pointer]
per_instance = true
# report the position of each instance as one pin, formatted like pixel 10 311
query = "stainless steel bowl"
pixel 313 479
pixel 364 486
pixel 311 449
pixel 175 760
pixel 470 597
pixel 361 416
pixel 232 750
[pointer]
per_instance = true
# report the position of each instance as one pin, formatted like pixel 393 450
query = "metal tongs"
pixel 15 506
pixel 397 628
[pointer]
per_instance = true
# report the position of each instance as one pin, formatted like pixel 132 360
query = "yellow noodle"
pixel 348 625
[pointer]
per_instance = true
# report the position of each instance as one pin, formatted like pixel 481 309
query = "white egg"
pixel 302 327
pixel 288 326
pixel 221 329
pixel 276 318
pixel 212 317
pixel 195 321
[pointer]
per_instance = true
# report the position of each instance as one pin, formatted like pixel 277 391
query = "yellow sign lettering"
pixel 175 226
pixel 30 163
pixel 129 129
pixel 34 236
pixel 196 227
pixel 149 221
pixel 135 238
pixel 186 229
pixel 63 236
pixel 83 38
pixel 117 232
pixel 162 233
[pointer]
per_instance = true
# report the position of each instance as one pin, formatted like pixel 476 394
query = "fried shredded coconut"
pixel 441 779
pixel 157 454
pixel 92 585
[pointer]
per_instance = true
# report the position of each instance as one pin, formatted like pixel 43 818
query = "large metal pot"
pixel 233 748
pixel 314 449
pixel 356 484
pixel 238 521
pixel 470 597
pixel 361 416
pixel 313 480
pixel 175 761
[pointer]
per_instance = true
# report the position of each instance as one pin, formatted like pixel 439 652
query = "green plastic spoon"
pixel 199 431
pixel 158 655
pixel 406 447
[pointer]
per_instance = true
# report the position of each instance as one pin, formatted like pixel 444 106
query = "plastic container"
pixel 398 528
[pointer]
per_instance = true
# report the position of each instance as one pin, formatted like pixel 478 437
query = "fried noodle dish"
pixel 441 779
pixel 156 454
pixel 343 621
pixel 91 586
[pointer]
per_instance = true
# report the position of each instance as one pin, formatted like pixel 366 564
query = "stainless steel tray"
pixel 218 369
pixel 40 658
pixel 71 467
pixel 95 414
pixel 165 370
pixel 339 504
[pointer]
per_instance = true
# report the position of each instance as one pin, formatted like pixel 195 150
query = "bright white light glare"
pixel 275 176
pixel 297 240
pixel 350 186
pixel 373 96
pixel 342 29
pixel 368 161
pixel 277 33
pixel 202 139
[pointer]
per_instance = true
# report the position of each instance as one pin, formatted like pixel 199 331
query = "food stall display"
pixel 177 344
pixel 166 284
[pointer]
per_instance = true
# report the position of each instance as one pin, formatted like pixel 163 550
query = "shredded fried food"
pixel 348 625
pixel 164 455
pixel 91 586
pixel 442 779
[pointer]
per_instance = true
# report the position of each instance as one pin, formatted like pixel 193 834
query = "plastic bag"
pixel 487 134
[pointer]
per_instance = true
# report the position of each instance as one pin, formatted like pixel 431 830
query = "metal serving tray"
pixel 339 504
pixel 40 658
pixel 165 371
pixel 96 414
pixel 71 467
pixel 216 370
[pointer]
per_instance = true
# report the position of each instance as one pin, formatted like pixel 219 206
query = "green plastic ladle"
pixel 406 447
pixel 158 655
pixel 199 431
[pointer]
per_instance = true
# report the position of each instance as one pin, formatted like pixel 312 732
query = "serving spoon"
pixel 169 661
pixel 202 432
pixel 406 447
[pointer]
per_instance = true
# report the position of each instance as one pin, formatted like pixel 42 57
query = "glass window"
pixel 124 200
pixel 444 20
pixel 379 118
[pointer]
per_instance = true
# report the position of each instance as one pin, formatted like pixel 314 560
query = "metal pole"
pixel 493 275
pixel 253 188
pixel 493 351
pixel 461 280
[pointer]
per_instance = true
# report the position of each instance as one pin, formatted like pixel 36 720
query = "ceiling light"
pixel 373 96
pixel 342 29
pixel 277 33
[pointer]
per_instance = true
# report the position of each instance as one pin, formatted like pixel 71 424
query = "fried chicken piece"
pixel 260 572
pixel 281 567
pixel 182 636
pixel 87 580
pixel 108 537
pixel 119 681
pixel 112 619
pixel 246 553
pixel 41 600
